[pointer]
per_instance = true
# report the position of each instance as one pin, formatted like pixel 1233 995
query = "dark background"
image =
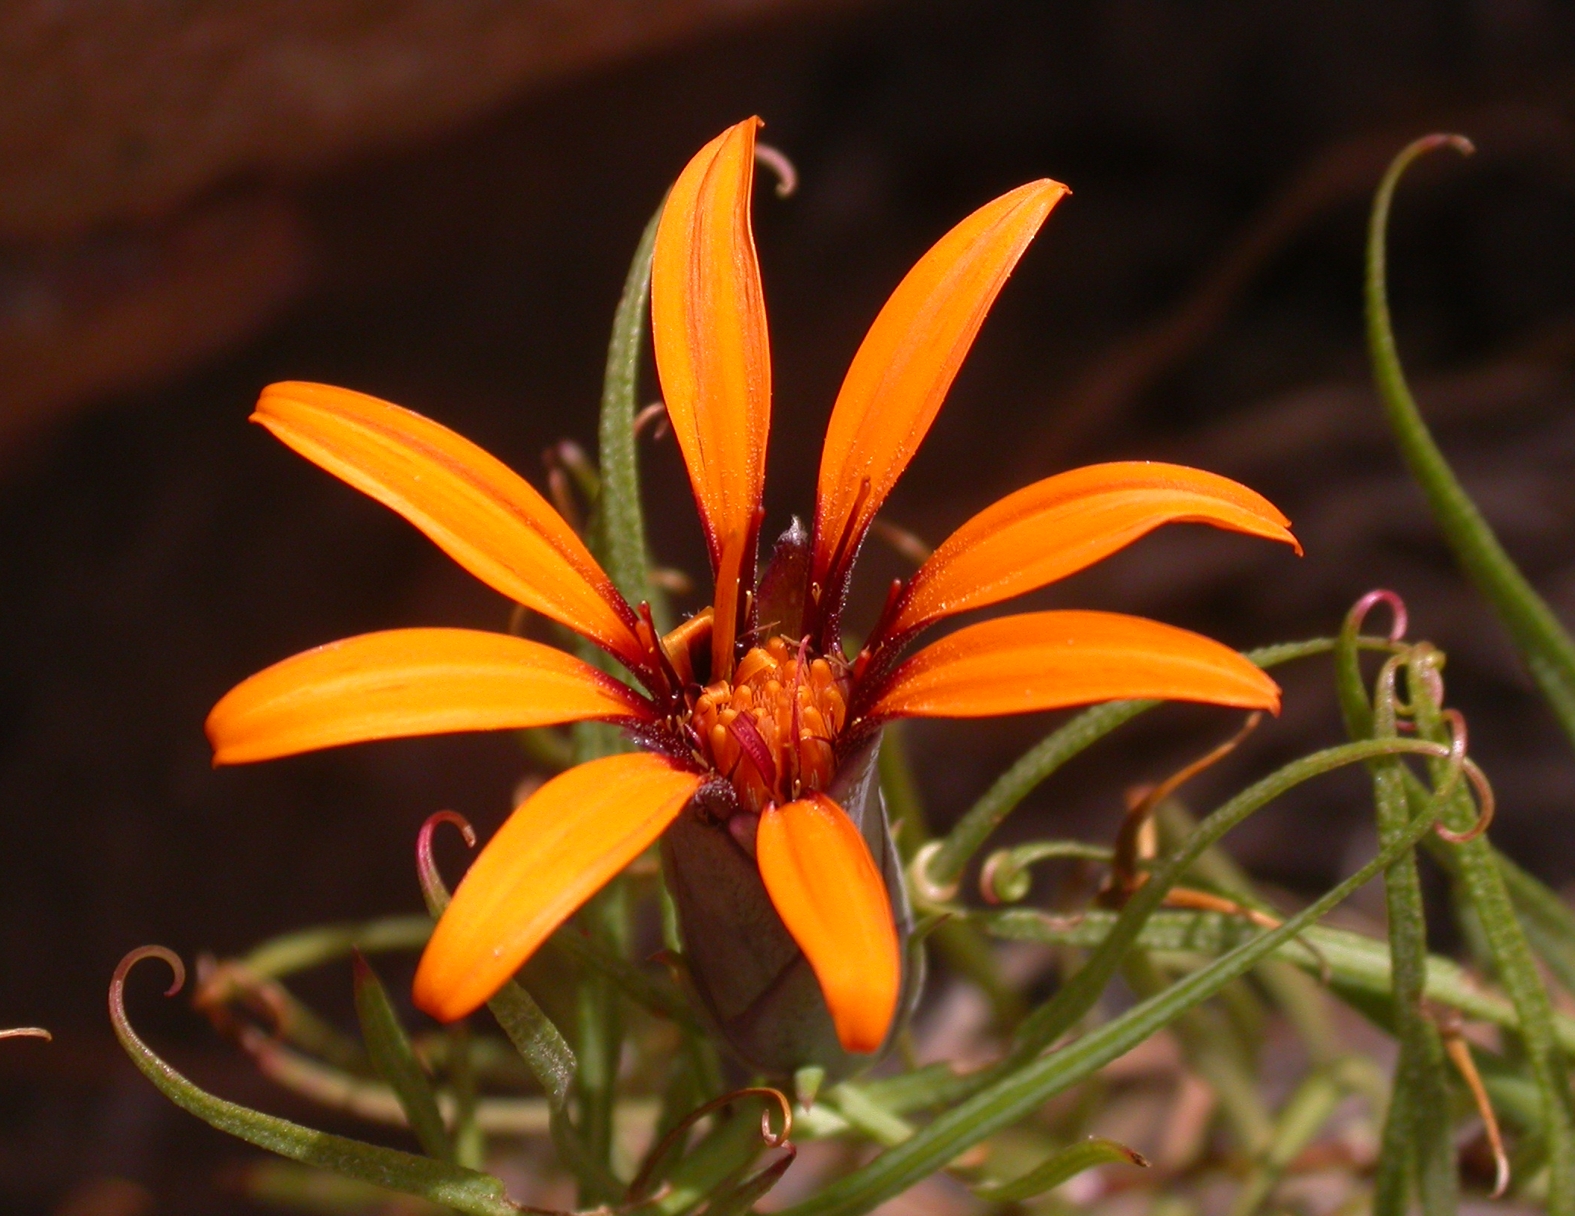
pixel 183 228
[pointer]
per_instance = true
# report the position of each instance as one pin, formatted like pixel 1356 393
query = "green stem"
pixel 463 1190
pixel 1548 651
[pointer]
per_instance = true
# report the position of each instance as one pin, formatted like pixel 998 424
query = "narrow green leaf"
pixel 292 952
pixel 600 1044
pixel 1024 1088
pixel 463 1190
pixel 1482 880
pixel 620 520
pixel 1418 1122
pixel 1056 1169
pixel 298 1188
pixel 1548 921
pixel 1358 966
pixel 1213 1050
pixel 868 1115
pixel 1544 644
pixel 392 1056
pixel 470 1144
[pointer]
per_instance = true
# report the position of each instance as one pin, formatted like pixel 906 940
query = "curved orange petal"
pixel 1062 524
pixel 478 510
pixel 1048 660
pixel 825 886
pixel 906 364
pixel 551 855
pixel 708 328
pixel 405 682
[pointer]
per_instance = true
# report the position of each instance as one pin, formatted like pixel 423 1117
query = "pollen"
pixel 772 729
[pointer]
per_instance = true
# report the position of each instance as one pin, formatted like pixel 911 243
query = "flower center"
pixel 772 729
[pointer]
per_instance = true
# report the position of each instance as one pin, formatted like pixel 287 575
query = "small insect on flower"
pixel 757 731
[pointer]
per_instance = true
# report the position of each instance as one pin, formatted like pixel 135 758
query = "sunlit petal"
pixel 825 886
pixel 552 854
pixel 1048 660
pixel 906 364
pixel 1062 524
pixel 410 682
pixel 478 511
pixel 708 324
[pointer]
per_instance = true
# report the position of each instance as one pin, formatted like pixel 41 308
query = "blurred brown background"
pixel 435 201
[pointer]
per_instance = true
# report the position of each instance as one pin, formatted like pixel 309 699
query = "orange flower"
pixel 749 709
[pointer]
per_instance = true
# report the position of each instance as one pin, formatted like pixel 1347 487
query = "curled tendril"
pixel 1380 595
pixel 117 986
pixel 776 160
pixel 642 1182
pixel 1459 763
pixel 653 416
pixel 1002 880
pixel 432 886
pixel 925 889
pixel 1454 753
pixel 26 1032
pixel 1004 877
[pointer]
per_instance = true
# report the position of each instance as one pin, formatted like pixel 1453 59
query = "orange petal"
pixel 824 884
pixel 551 855
pixel 1047 660
pixel 708 327
pixel 1058 526
pixel 906 364
pixel 409 682
pixel 478 510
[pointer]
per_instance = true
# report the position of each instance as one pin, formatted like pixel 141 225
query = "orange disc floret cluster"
pixel 772 729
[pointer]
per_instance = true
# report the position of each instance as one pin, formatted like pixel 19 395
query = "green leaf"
pixel 1024 1088
pixel 466 1191
pixel 620 520
pixel 1358 966
pixel 1544 644
pixel 1417 1133
pixel 1056 1169
pixel 1482 881
pixel 392 1056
